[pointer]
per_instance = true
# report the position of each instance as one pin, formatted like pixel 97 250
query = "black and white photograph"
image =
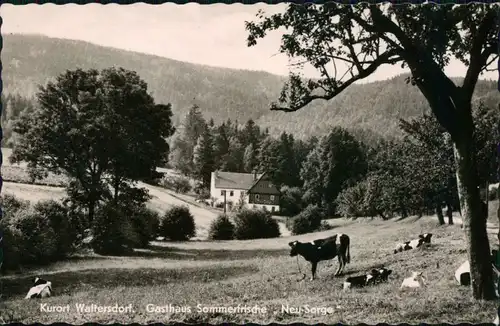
pixel 250 163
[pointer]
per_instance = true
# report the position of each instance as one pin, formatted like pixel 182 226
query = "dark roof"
pixel 233 180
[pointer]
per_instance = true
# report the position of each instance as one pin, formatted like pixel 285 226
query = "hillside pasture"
pixel 260 272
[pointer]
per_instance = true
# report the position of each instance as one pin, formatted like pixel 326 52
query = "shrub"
pixel 177 184
pixel 13 250
pixel 253 224
pixel 113 233
pixel 309 220
pixel 178 224
pixel 146 223
pixel 325 226
pixel 11 204
pixel 37 234
pixel 58 217
pixel 290 201
pixel 201 192
pixel 351 201
pixel 33 236
pixel 221 228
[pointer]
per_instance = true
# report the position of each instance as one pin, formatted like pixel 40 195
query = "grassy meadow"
pixel 253 272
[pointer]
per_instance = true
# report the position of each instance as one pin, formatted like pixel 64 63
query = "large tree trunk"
pixel 498 212
pixel 460 188
pixel 474 222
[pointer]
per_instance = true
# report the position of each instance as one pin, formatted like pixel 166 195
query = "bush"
pixel 290 201
pixel 221 228
pixel 253 224
pixel 351 201
pixel 177 184
pixel 201 192
pixel 178 224
pixel 113 232
pixel 309 220
pixel 59 221
pixel 33 237
pixel 13 250
pixel 11 204
pixel 37 234
pixel 325 226
pixel 146 223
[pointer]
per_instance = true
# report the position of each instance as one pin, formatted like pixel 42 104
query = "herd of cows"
pixel 339 246
pixel 327 249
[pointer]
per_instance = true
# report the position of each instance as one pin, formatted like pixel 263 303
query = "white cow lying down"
pixel 40 289
pixel 462 274
pixel 416 280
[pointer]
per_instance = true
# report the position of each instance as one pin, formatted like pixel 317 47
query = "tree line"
pixel 341 172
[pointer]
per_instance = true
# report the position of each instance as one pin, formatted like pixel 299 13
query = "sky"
pixel 212 35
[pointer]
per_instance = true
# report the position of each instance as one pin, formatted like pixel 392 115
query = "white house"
pixel 254 190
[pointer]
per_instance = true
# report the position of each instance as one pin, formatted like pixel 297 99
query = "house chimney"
pixel 254 175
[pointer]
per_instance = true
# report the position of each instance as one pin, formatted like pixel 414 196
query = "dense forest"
pixel 366 110
pixel 340 172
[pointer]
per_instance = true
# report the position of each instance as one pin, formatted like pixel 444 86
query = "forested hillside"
pixel 220 93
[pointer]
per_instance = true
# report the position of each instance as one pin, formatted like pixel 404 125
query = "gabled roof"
pixel 233 180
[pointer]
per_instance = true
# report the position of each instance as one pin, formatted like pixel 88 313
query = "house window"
pixel 272 209
pixel 257 196
pixel 242 193
pixel 272 197
pixel 254 206
pixel 231 193
pixel 222 192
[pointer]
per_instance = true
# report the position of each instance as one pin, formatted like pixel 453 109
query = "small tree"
pixel 309 220
pixel 221 228
pixel 178 224
pixel 253 224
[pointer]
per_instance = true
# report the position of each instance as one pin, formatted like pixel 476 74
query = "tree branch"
pixel 385 58
pixel 477 58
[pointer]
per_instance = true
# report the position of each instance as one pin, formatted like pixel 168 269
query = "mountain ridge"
pixel 221 93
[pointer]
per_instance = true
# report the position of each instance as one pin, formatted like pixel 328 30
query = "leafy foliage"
pixel 253 224
pixel 309 220
pixel 336 162
pixel 221 228
pixel 290 201
pixel 113 232
pixel 177 224
pixel 178 184
pixel 38 234
pixel 87 127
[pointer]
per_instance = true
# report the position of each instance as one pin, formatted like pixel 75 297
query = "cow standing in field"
pixel 323 249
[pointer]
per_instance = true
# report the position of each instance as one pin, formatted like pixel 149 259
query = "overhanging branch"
pixel 385 58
